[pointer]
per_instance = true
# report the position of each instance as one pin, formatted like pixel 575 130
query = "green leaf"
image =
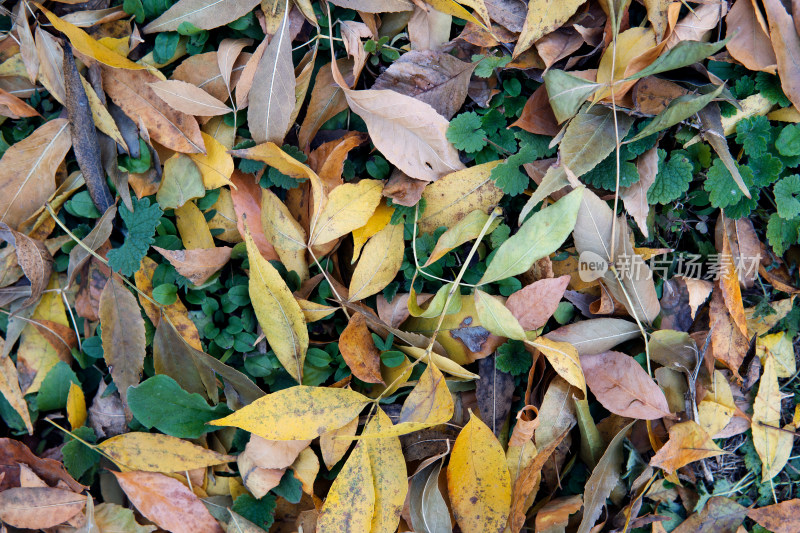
pixel 495 317
pixel 55 387
pixel 786 192
pixel 788 141
pixel 81 205
pixel 685 53
pixel 513 359
pixel 487 64
pixel 769 86
pixel 159 402
pixel 753 134
pixel 181 182
pixel 166 45
pixel 678 110
pixel 141 224
pixel 721 187
pixel 766 169
pixel 135 8
pixel 782 233
pixel 261 512
pixel 538 237
pixel 466 133
pixel 567 93
pixel 507 174
pixel 165 294
pixel 604 175
pixel 290 488
pixel 79 458
pixel 672 179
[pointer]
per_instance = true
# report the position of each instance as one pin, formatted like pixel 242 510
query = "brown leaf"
pixel 203 14
pixel 720 515
pixel 729 283
pixel 33 257
pixel 652 95
pixel 247 204
pixel 635 197
pixel 203 71
pixel 435 78
pixel 494 391
pixel 558 44
pixel 557 511
pixel 359 351
pixel 327 160
pixel 263 462
pixel 272 94
pixel 167 502
pixel 402 189
pixel 39 507
pixel 228 55
pixel 745 248
pixel 131 91
pixel 13 453
pixel 13 107
pixel 728 344
pixel 537 115
pixel 533 305
pixel 408 132
pixel 623 387
pixel 688 442
pixel 199 264
pixel 78 256
pixel 783 517
pixel 123 336
pixel 527 481
pixel 749 37
pixel 596 335
pixel 327 100
pixel 27 171
pixel 84 135
pixel 51 57
pixel 187 98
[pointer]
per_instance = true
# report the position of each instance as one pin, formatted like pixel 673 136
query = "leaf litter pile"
pixel 399 265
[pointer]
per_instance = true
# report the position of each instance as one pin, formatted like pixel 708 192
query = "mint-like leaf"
pixel 786 192
pixel 672 179
pixel 722 189
pixel 141 224
pixel 466 132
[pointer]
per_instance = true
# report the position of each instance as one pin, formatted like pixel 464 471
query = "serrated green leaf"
pixel 786 200
pixel 466 133
pixel 672 179
pixel 141 224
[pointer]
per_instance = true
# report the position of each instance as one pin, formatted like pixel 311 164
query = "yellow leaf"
pixel 280 227
pixel 773 446
pixel 451 7
pixel 306 468
pixel 478 480
pixel 379 219
pixel 151 452
pixel 452 197
pixel 565 360
pixel 388 474
pixel 781 347
pixel 84 44
pixel 758 323
pixel 465 230
pixel 380 261
pixel 717 408
pixel 277 311
pixel 495 317
pixel 225 219
pixel 630 44
pixel 192 227
pixel 100 115
pixel 216 165
pixel 351 500
pixel 312 311
pixel 76 406
pixel 543 17
pixel 335 443
pixel 442 363
pixel 297 413
pixel 429 404
pixel 35 355
pixel 9 388
pixel 688 442
pixel 176 312
pixel 349 207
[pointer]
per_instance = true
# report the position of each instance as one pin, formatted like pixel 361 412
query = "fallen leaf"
pixel 123 336
pixel 166 502
pixel 688 442
pixel 773 445
pixel 749 37
pixel 781 347
pixel 278 312
pixel 388 470
pixel 263 462
pixel 408 132
pixel 202 14
pixel 181 182
pixel 534 304
pixel 187 98
pixel 327 100
pixel 728 344
pixel 541 19
pixel 271 99
pixel 199 264
pixel 297 413
pixel 150 452
pixel 380 262
pixel 39 507
pixel 623 387
pixel 76 406
pixel 595 335
pixel 27 171
pixel 359 351
pixel 426 506
pixel 335 444
pixel 564 359
pixel 478 481
pixel 781 517
pixel 131 91
pixel 349 207
pixel 192 227
pixel 78 256
pixel 33 257
pixel 720 515
pixel 246 200
pixel 634 198
pixel 350 503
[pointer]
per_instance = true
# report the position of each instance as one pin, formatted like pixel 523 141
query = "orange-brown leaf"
pixel 359 350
